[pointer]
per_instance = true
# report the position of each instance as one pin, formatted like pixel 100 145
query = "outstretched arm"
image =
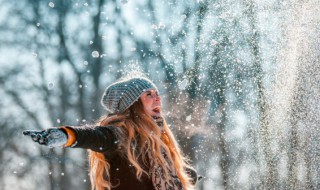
pixel 97 138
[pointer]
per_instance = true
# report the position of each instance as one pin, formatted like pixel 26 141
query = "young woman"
pixel 132 147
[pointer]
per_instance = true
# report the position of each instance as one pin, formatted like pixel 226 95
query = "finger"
pixel 35 136
pixel 26 132
pixel 29 132
pixel 42 140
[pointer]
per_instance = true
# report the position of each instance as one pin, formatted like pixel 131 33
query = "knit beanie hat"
pixel 122 94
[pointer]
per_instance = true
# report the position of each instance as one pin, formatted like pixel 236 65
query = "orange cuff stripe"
pixel 71 136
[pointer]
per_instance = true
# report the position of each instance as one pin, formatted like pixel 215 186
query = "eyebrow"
pixel 152 91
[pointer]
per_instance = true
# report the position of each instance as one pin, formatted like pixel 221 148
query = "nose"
pixel 157 97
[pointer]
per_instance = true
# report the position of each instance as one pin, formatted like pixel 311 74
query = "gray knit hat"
pixel 122 94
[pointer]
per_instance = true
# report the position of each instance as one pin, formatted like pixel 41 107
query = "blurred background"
pixel 240 82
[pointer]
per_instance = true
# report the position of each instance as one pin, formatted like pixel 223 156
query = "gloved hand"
pixel 52 137
pixel 194 175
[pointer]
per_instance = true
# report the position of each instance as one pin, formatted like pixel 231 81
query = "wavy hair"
pixel 138 134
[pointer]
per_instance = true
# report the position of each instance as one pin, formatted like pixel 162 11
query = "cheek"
pixel 147 103
pixel 147 108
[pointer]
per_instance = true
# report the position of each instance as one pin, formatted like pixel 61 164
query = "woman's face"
pixel 151 102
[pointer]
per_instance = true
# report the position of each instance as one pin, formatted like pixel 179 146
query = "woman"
pixel 130 148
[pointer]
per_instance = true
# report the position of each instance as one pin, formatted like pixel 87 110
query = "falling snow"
pixel 239 82
pixel 51 4
pixel 50 85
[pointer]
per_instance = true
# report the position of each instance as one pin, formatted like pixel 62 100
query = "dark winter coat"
pixel 122 173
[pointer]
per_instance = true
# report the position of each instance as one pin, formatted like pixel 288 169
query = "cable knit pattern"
pixel 122 94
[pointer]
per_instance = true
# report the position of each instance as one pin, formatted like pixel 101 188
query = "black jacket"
pixel 122 173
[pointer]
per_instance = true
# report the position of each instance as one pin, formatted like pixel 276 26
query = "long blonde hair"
pixel 138 134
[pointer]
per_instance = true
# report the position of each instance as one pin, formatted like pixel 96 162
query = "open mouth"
pixel 156 110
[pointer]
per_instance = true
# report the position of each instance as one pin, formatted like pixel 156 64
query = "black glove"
pixel 194 175
pixel 51 137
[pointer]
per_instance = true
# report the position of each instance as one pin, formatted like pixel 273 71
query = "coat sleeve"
pixel 96 138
